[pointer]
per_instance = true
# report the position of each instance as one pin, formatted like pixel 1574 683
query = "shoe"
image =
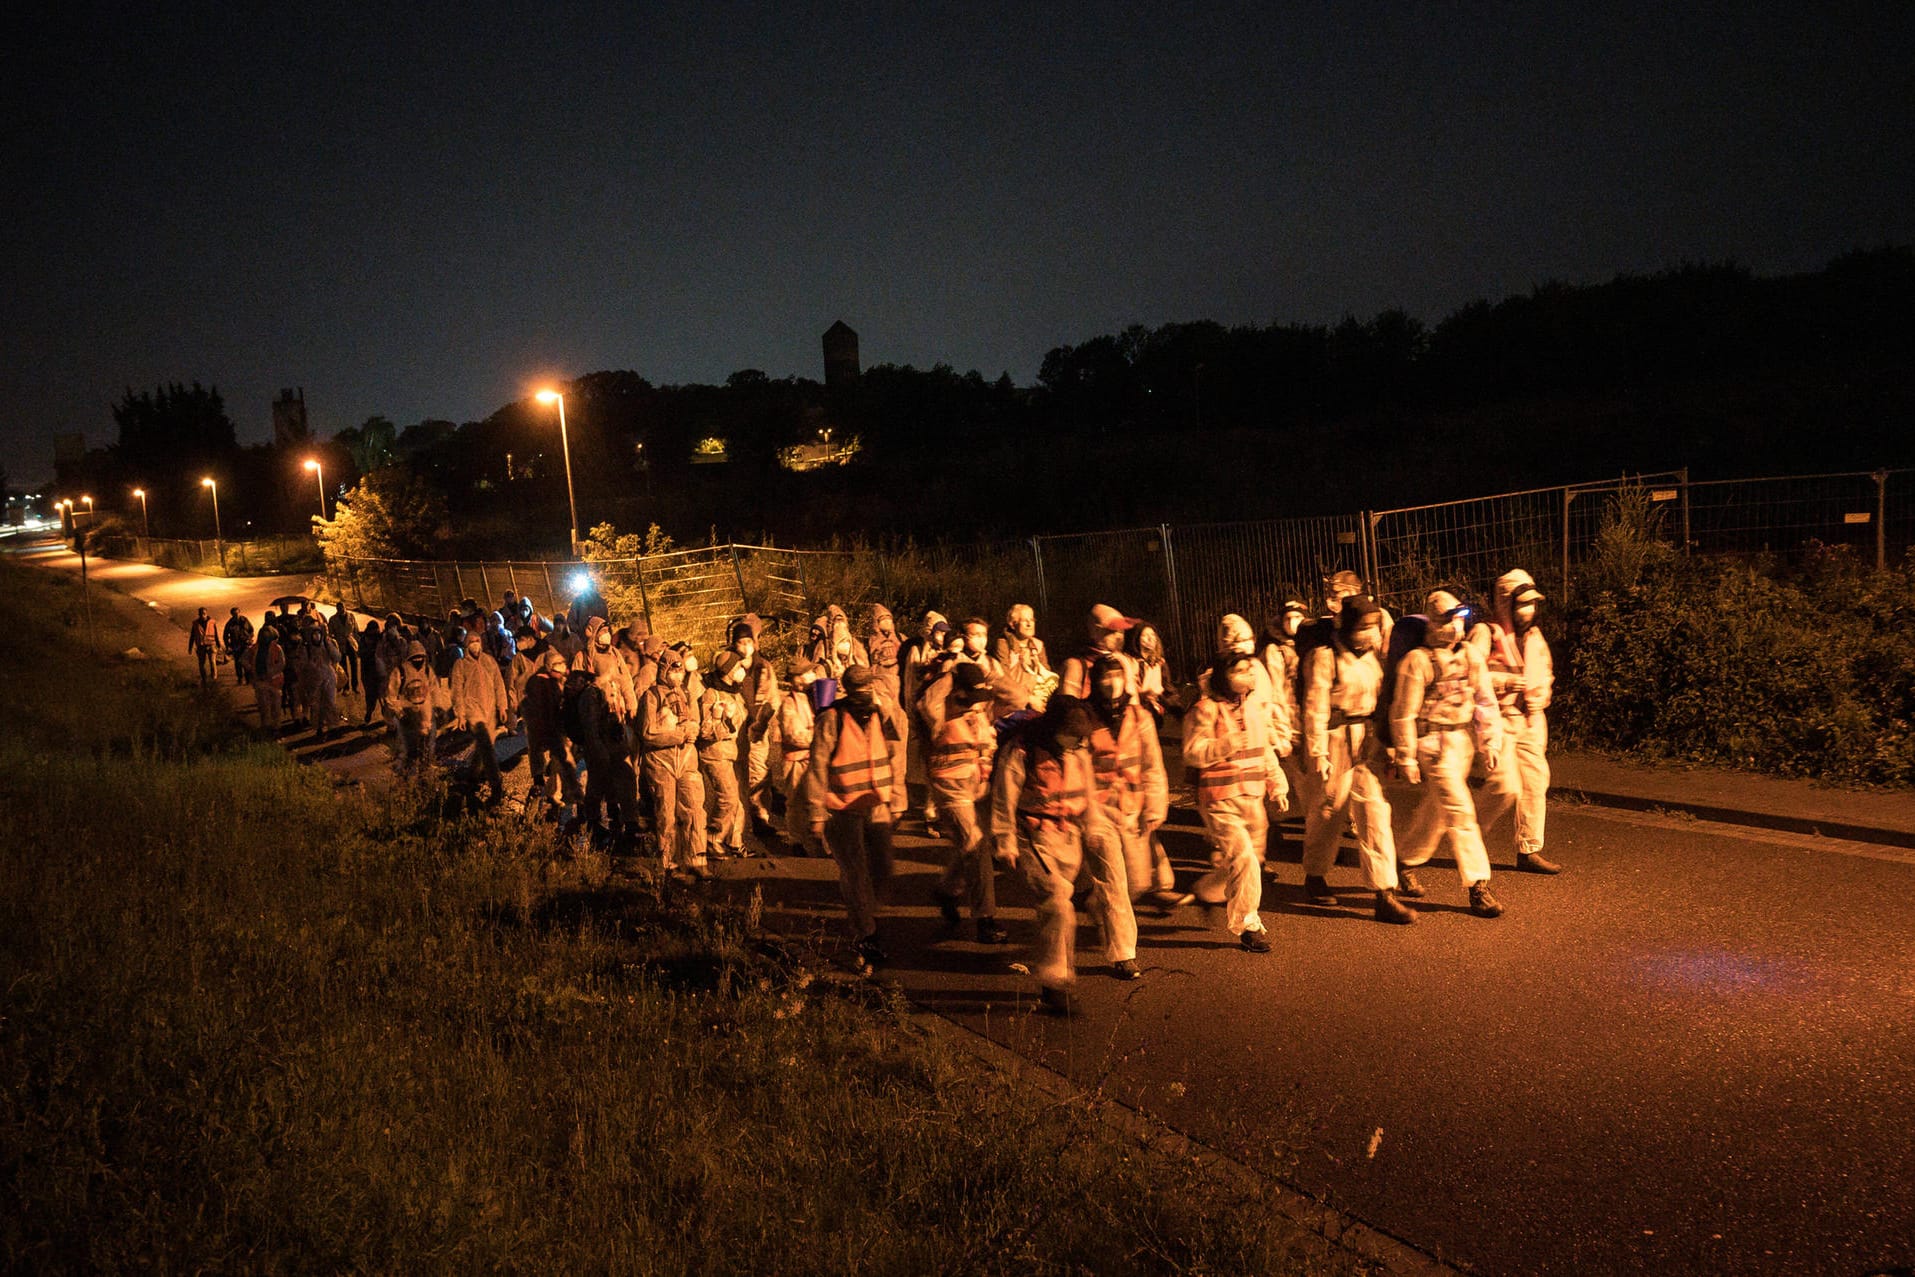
pixel 1390 909
pixel 989 932
pixel 1057 1001
pixel 1253 942
pixel 1407 886
pixel 1482 904
pixel 1187 898
pixel 1126 969
pixel 947 907
pixel 1536 863
pixel 1316 889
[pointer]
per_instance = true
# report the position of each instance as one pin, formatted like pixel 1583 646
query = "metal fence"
pixel 1183 578
pixel 260 556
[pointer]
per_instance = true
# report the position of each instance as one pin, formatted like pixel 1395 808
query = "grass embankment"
pixel 255 1021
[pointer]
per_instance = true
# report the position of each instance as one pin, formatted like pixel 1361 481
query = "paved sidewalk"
pixel 1721 794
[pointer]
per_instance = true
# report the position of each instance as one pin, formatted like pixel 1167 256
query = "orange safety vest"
pixel 1241 774
pixel 961 748
pixel 859 774
pixel 1118 761
pixel 1050 793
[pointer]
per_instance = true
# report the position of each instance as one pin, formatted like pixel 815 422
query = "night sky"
pixel 419 214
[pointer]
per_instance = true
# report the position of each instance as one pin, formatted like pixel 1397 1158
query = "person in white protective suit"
pixel 959 743
pixel 1522 674
pixel 853 778
pixel 1105 628
pixel 479 707
pixel 1343 740
pixel 1284 665
pixel 796 719
pixel 1442 713
pixel 721 717
pixel 1043 813
pixel 1127 764
pixel 1227 741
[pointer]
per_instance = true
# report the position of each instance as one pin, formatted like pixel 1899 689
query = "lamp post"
pixel 146 524
pixel 219 539
pixel 319 474
pixel 89 504
pixel 565 443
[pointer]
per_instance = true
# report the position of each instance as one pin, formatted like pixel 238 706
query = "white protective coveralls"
pixel 1522 674
pixel 1341 727
pixel 1228 743
pixel 1442 714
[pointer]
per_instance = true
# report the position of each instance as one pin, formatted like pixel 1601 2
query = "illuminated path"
pixel 1693 1052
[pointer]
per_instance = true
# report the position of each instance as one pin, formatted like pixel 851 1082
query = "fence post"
pixel 1043 597
pixel 1881 520
pixel 485 586
pixel 551 595
pixel 738 573
pixel 1170 585
pixel 1685 509
pixel 644 599
pixel 1365 555
pixel 1569 495
pixel 512 576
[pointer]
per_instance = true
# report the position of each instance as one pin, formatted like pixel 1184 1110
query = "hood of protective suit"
pixel 415 648
pixel 930 623
pixel 1234 634
pixel 750 625
pixel 881 613
pixel 1437 607
pixel 1509 587
pixel 592 628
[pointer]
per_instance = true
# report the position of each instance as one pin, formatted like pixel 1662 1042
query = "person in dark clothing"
pixel 238 636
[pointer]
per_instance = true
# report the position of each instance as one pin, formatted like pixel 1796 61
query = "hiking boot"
pixel 989 932
pixel 947 908
pixel 1407 886
pixel 1125 969
pixel 1536 863
pixel 1316 889
pixel 1390 909
pixel 1058 1001
pixel 1253 942
pixel 1482 904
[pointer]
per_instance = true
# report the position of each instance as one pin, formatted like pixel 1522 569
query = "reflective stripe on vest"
pixel 1049 793
pixel 1238 776
pixel 1118 760
pixel 961 746
pixel 859 774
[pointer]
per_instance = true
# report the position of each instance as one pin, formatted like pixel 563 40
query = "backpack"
pixel 577 683
pixel 1312 635
pixel 1408 635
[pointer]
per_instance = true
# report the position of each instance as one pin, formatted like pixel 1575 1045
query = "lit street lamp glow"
pixel 218 537
pixel 565 443
pixel 146 526
pixel 312 464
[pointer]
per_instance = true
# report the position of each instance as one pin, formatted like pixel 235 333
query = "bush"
pixel 1797 671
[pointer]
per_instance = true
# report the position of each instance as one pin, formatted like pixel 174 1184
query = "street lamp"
pixel 312 464
pixel 146 525
pixel 553 396
pixel 89 504
pixel 217 536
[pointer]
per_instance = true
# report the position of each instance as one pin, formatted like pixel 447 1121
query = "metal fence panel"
pixel 1787 515
pixel 1130 570
pixel 1247 568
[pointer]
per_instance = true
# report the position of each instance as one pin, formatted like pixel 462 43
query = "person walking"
pixel 721 718
pixel 478 707
pixel 1522 674
pixel 345 637
pixel 407 704
pixel 853 775
pixel 1344 742
pixel 269 672
pixel 1127 765
pixel 1441 715
pixel 1228 742
pixel 542 707
pixel 238 637
pixel 202 640
pixel 960 742
pixel 796 719
pixel 668 731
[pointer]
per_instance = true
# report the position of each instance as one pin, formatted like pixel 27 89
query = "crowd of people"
pixel 1053 770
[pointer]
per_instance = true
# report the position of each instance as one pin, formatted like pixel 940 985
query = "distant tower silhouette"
pixel 289 418
pixel 841 355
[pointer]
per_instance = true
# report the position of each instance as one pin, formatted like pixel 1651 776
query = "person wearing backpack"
pixel 478 706
pixel 238 636
pixel 1127 766
pixel 796 719
pixel 269 672
pixel 1227 741
pixel 1522 674
pixel 1043 813
pixel 721 718
pixel 961 741
pixel 1343 688
pixel 1442 713
pixel 854 776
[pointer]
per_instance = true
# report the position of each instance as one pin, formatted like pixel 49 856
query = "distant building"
pixel 841 355
pixel 289 418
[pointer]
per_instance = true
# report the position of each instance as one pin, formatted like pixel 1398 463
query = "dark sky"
pixel 419 213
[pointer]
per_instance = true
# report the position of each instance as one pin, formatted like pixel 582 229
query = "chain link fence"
pixel 260 556
pixel 1183 578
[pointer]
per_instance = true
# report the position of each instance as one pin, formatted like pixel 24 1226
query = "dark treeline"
pixel 1706 366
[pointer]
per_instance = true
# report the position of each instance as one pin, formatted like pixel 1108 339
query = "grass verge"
pixel 256 1021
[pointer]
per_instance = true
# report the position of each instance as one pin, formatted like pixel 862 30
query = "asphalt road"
pixel 1689 1053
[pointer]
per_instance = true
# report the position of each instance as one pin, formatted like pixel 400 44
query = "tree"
pixel 174 426
pixel 373 445
pixel 391 514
